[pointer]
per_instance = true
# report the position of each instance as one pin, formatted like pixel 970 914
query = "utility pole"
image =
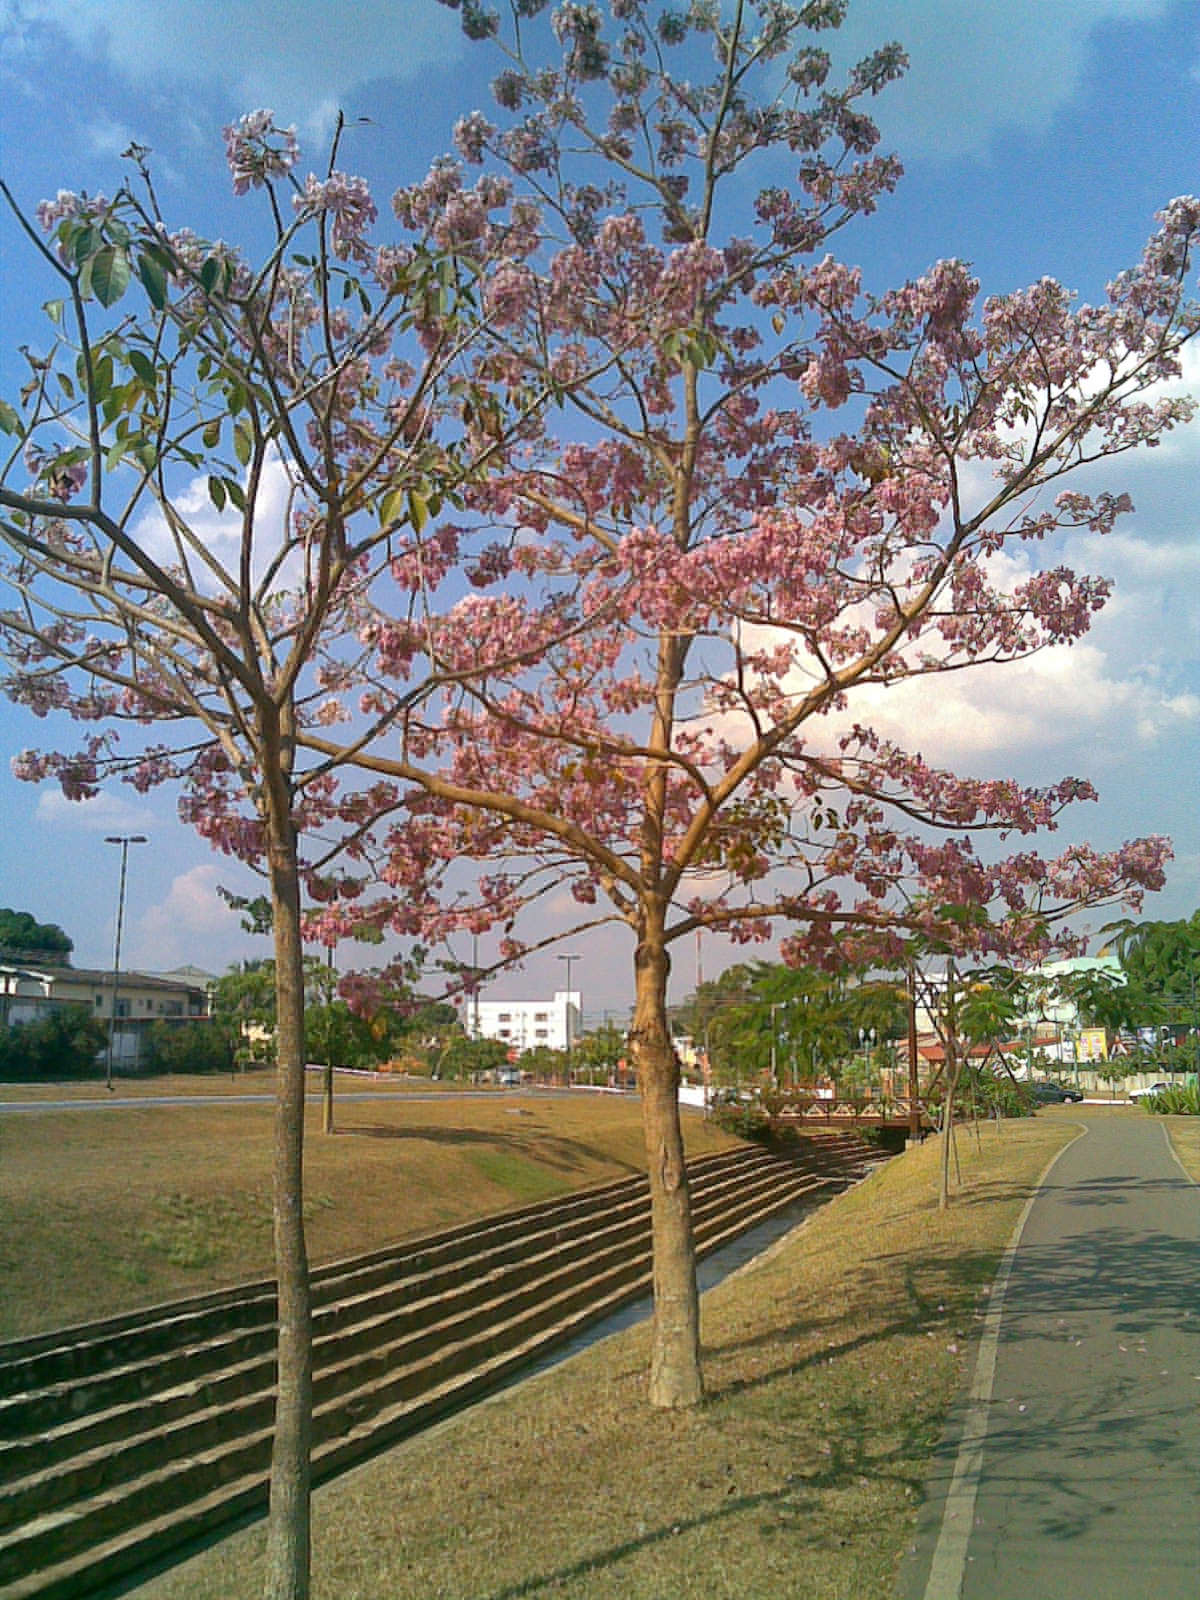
pixel 124 840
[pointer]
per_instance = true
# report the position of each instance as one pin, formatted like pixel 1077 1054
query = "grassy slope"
pixel 831 1363
pixel 1185 1136
pixel 104 1211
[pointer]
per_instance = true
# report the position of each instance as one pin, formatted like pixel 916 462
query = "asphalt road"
pixel 1072 1470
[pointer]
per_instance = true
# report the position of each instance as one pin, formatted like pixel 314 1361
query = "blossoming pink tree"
pixel 208 469
pixel 761 493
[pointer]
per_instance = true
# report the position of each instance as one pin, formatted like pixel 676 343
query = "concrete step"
pixel 99 1494
pixel 384 1390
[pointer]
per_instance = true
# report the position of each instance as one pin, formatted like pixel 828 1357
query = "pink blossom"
pixel 348 202
pixel 258 152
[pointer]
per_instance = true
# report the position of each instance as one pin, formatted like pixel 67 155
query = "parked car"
pixel 1144 1094
pixel 509 1078
pixel 731 1097
pixel 1054 1094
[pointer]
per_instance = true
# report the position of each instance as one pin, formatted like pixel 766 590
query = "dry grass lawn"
pixel 102 1211
pixel 831 1363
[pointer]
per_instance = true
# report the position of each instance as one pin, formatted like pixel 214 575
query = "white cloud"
pixel 220 533
pixel 303 58
pixel 106 137
pixel 107 813
pixel 1061 700
pixel 188 925
pixel 978 68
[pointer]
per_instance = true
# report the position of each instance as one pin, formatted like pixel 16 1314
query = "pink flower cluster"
pixel 258 152
pixel 347 201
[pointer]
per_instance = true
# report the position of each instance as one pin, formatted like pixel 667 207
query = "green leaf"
pixel 10 422
pixel 54 310
pixel 418 510
pixel 235 492
pixel 65 384
pixel 212 434
pixel 216 492
pixel 108 274
pixel 243 443
pixel 144 368
pixel 83 242
pixel 116 451
pixel 391 506
pixel 102 376
pixel 209 273
pixel 153 274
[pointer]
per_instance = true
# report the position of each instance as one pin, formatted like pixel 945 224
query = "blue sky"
pixel 1038 139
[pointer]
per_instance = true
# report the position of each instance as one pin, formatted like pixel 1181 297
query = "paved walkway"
pixel 1073 1469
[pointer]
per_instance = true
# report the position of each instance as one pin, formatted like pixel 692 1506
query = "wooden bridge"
pixel 801 1110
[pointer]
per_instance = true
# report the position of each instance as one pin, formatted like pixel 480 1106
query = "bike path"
pixel 1072 1471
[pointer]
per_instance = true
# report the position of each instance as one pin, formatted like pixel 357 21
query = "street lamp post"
pixel 776 1005
pixel 569 960
pixel 124 840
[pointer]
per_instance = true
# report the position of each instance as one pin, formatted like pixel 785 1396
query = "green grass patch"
pixel 519 1176
pixel 198 1231
pixel 831 1363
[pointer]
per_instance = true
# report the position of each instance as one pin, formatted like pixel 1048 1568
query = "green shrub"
pixel 202 1046
pixel 63 1044
pixel 1180 1100
pixel 745 1121
pixel 1007 1099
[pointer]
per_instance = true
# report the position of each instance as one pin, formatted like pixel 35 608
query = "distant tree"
pixel 20 931
pixel 599 1050
pixel 1114 1001
pixel 807 1020
pixel 1161 958
pixel 65 1043
pixel 247 993
pixel 708 1016
pixel 990 1007
pixel 543 1061
pixel 461 1057
pixel 204 1045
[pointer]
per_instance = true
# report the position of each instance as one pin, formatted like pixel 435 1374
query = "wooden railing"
pixel 814 1111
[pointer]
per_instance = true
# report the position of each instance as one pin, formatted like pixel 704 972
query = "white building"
pixel 528 1024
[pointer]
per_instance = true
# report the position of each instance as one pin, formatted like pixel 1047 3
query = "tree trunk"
pixel 951 1041
pixel 675 1377
pixel 288 1537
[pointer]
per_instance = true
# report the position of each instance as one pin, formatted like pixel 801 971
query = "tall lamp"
pixel 124 840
